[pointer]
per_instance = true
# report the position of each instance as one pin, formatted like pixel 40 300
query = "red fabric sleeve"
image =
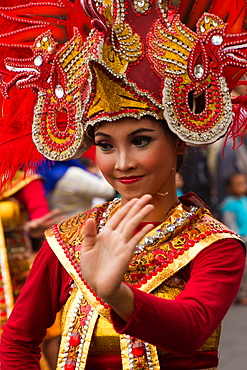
pixel 45 292
pixel 33 197
pixel 182 326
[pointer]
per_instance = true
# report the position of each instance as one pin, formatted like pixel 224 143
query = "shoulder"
pixel 229 202
pixel 223 255
pixel 208 230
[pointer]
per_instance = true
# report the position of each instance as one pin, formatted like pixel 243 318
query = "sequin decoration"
pixel 161 233
pixel 197 103
pixel 141 6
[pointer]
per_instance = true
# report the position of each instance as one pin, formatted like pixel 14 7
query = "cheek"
pixel 151 163
pixel 104 162
pixel 161 158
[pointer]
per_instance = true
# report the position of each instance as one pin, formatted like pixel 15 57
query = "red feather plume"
pixel 20 23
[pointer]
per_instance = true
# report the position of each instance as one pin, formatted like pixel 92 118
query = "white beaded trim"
pixel 149 240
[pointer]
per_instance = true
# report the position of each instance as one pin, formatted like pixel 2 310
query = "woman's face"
pixel 136 157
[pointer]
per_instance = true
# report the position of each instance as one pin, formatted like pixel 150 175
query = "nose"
pixel 125 160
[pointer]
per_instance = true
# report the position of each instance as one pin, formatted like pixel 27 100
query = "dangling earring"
pixel 163 194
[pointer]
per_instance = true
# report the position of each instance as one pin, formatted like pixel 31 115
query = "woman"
pixel 159 271
pixel 73 187
pixel 130 158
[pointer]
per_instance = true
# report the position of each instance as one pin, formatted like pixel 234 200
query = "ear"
pixel 181 146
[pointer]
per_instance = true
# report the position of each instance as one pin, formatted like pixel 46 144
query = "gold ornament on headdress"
pixel 62 102
pixel 141 59
pixel 191 64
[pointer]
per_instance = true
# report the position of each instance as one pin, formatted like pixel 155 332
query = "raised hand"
pixel 105 256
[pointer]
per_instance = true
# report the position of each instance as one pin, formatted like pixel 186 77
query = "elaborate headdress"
pixel 143 57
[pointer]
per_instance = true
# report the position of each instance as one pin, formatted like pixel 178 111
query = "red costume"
pixel 179 327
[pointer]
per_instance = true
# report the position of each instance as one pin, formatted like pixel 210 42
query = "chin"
pixel 130 195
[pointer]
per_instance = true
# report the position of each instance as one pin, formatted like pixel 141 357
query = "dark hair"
pixel 180 157
pixel 229 179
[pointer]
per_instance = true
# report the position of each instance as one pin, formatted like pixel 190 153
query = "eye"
pixel 141 141
pixel 104 146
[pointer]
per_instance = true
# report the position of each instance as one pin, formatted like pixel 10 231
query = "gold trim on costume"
pixel 17 184
pixel 77 279
pixel 180 262
pixel 6 280
pixel 146 357
pixel 74 309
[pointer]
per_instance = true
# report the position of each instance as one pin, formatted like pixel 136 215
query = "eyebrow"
pixel 99 133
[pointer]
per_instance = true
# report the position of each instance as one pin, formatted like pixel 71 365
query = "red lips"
pixel 129 180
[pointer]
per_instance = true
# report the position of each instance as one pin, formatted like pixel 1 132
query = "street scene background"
pixel 233 346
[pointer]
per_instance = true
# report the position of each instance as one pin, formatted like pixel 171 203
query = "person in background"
pixel 24 216
pixel 234 215
pixel 92 167
pixel 71 186
pixel 227 160
pixel 234 206
pixel 196 175
pixel 179 184
pixel 23 205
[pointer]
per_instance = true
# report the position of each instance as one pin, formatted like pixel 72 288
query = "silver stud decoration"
pixel 198 71
pixel 59 91
pixel 38 61
pixel 217 40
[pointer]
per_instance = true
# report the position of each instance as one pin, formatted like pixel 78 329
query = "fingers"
pixel 90 232
pixel 135 219
pixel 120 214
pixel 55 212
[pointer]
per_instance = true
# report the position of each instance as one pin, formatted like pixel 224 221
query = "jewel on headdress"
pixel 38 61
pixel 199 71
pixel 59 91
pixel 217 40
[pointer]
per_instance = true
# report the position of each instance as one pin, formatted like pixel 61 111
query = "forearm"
pixel 15 356
pixel 182 325
pixel 176 327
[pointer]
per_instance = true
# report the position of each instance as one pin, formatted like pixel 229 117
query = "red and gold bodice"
pixel 87 328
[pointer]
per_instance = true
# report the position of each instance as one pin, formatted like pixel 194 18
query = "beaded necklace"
pixel 160 233
pixel 115 202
